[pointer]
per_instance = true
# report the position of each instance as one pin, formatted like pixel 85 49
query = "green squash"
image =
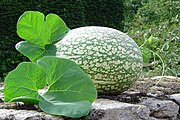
pixel 111 58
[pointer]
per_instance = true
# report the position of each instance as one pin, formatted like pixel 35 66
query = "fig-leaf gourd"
pixel 111 58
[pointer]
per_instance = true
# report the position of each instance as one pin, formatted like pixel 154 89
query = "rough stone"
pixel 103 109
pixel 161 108
pixel 114 110
pixel 10 114
pixel 175 97
pixel 149 99
pixel 162 85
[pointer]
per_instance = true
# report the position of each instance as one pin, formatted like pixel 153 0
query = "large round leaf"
pixel 32 27
pixel 70 109
pixel 30 50
pixel 68 85
pixel 24 82
pixel 66 80
pixel 57 26
pixel 34 52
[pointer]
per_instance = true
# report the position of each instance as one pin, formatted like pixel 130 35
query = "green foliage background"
pixel 156 26
pixel 75 13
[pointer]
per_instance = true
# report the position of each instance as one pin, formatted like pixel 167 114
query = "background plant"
pixel 155 26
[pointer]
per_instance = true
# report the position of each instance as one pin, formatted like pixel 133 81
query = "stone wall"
pixel 149 99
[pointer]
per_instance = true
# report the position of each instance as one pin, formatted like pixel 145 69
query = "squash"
pixel 111 58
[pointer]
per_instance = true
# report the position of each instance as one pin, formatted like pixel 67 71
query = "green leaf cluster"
pixel 40 33
pixel 68 90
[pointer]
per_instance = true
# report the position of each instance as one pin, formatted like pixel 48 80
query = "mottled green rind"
pixel 111 58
